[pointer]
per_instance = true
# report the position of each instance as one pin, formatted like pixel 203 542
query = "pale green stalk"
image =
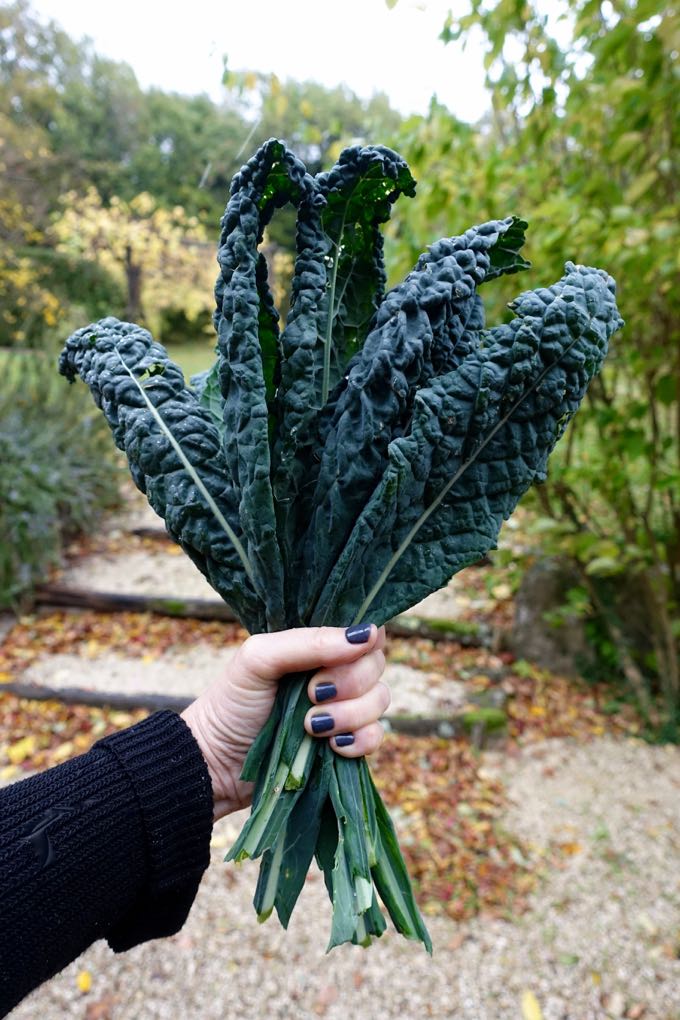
pixel 300 762
pixel 265 812
pixel 328 342
pixel 273 878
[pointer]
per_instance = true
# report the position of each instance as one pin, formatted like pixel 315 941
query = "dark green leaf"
pixel 480 436
pixel 103 355
pixel 247 346
pixel 338 284
pixel 421 329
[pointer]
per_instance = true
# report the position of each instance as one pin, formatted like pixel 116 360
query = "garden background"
pixel 566 641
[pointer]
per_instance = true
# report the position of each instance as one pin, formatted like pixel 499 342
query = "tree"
pixel 583 142
pixel 163 256
pixel 314 121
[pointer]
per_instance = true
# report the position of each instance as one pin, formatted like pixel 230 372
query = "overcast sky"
pixel 180 47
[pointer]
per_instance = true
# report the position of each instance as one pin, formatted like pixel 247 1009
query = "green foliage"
pixel 74 124
pixel 83 284
pixel 314 121
pixel 58 472
pixel 584 131
pixel 346 468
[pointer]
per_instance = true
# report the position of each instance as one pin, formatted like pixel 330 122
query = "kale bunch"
pixel 345 467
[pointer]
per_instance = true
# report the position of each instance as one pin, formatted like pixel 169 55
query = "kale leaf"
pixel 109 355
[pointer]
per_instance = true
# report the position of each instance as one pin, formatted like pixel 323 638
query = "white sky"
pixel 359 42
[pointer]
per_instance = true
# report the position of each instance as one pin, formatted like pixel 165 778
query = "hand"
pixel 228 716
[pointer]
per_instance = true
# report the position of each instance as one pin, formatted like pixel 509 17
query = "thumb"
pixel 271 656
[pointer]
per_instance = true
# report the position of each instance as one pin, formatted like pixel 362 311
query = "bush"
pixel 59 470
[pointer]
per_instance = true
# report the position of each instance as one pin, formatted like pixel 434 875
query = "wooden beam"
pixel 214 609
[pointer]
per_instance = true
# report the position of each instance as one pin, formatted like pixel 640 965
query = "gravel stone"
pixel 598 933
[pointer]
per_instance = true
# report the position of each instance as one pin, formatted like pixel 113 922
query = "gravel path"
pixel 597 942
pixel 601 938
pixel 186 672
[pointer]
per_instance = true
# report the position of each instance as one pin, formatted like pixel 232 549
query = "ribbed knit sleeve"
pixel 108 845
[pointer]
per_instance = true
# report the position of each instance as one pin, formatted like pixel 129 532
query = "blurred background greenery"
pixel 109 204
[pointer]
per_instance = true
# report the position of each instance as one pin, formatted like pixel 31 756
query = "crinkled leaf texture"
pixel 247 339
pixel 479 436
pixel 358 459
pixel 338 285
pixel 428 324
pixel 103 355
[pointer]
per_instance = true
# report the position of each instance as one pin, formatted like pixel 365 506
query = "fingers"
pixel 350 680
pixel 348 702
pixel 268 657
pixel 355 718
pixel 364 741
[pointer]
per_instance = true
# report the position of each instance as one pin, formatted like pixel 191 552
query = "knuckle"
pixel 385 695
pixel 374 738
pixel 252 651
pixel 319 639
pixel 368 672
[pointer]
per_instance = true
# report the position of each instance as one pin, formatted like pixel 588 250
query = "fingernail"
pixel 343 739
pixel 358 633
pixel 322 723
pixel 324 692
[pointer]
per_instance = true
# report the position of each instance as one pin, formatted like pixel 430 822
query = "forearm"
pixel 109 845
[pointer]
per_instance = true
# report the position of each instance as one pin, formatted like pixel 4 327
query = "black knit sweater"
pixel 109 845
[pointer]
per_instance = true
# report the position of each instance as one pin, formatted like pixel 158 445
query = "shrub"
pixel 58 471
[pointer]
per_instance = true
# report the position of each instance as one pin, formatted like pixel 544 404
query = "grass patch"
pixel 192 357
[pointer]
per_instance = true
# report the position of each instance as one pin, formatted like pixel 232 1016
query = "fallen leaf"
pixel 62 752
pixel 102 1009
pixel 456 942
pixel 21 750
pixel 570 848
pixel 326 997
pixel 530 1007
pixel 84 981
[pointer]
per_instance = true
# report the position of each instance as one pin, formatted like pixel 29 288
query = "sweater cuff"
pixel 170 778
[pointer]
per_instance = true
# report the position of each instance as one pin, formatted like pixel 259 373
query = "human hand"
pixel 227 717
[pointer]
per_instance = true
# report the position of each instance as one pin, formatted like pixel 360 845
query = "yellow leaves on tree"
pixel 24 301
pixel 163 256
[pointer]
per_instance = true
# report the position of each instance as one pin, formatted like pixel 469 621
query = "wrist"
pixel 226 797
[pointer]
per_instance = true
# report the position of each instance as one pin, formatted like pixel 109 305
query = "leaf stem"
pixel 328 342
pixel 212 505
pixel 297 770
pixel 271 889
pixel 250 845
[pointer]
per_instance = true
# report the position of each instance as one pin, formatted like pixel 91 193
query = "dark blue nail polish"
pixel 358 633
pixel 344 739
pixel 324 692
pixel 322 723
